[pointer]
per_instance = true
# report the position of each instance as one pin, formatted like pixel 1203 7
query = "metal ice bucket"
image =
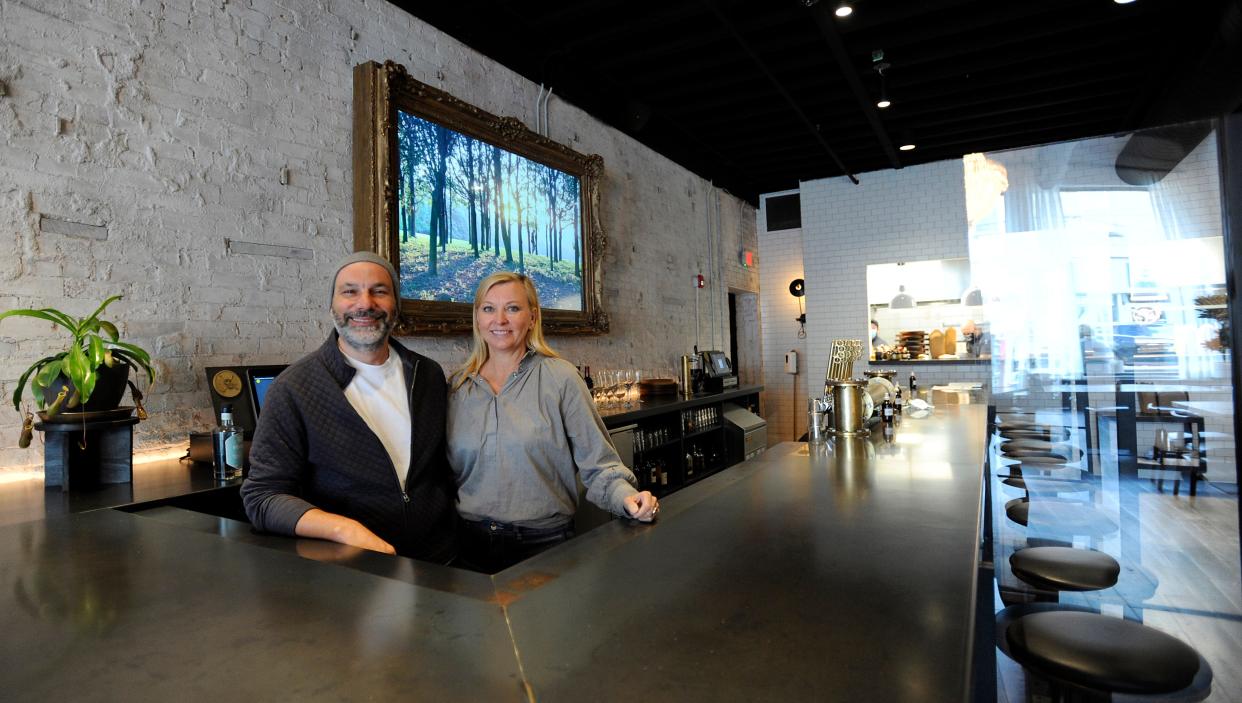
pixel 848 419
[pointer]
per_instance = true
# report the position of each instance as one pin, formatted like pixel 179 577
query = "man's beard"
pixel 364 339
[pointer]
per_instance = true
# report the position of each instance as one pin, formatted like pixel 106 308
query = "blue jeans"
pixel 490 546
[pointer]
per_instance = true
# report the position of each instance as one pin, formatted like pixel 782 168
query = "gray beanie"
pixel 370 258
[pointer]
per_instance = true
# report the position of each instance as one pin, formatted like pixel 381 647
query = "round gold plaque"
pixel 227 383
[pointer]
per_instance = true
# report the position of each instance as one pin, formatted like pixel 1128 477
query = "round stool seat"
pixel 1051 434
pixel 1060 517
pixel 1015 482
pixel 1036 445
pixel 1064 568
pixel 1018 510
pixel 1038 458
pixel 1102 653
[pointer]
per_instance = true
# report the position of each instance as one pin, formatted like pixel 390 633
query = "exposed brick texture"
pixel 169 123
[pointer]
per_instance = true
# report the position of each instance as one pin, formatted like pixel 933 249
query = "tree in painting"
pixel 466 208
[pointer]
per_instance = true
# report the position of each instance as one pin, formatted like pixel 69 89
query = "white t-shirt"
pixel 379 395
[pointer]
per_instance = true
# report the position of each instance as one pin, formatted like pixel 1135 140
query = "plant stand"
pixel 78 455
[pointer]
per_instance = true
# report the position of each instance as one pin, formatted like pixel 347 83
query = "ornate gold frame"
pixel 379 91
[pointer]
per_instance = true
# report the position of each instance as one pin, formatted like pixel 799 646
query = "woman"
pixel 520 424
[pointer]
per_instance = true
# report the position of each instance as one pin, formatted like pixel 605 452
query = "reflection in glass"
pixel 1104 285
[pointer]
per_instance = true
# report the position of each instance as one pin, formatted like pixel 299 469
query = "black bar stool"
pixel 1090 657
pixel 1058 569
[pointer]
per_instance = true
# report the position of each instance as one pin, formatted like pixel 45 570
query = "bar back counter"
pixel 840 572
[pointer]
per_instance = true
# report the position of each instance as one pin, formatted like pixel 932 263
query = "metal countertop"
pixel 840 573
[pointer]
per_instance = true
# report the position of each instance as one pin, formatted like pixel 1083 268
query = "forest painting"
pixel 467 208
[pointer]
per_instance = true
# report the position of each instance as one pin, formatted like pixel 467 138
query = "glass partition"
pixel 1102 265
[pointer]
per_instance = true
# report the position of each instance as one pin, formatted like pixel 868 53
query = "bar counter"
pixel 840 572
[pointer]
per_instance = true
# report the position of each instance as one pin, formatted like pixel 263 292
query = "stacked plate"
pixel 915 342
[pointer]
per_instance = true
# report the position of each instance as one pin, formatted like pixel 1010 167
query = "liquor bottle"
pixel 226 443
pixel 586 377
pixel 898 403
pixel 653 474
pixel 914 386
pixel 663 474
pixel 689 463
pixel 886 410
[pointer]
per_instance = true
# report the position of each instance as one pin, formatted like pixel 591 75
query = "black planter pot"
pixel 109 389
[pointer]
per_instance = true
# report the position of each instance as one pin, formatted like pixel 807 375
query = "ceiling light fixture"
pixel 901 301
pixel 843 10
pixel 906 147
pixel 880 68
pixel 1123 2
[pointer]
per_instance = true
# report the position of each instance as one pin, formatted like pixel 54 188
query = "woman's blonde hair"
pixel 534 339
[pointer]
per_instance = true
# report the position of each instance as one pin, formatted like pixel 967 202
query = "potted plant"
pixel 90 374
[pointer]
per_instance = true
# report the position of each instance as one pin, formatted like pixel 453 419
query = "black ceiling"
pixel 759 94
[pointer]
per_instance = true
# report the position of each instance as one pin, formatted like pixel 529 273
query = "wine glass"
pixel 632 376
pixel 618 387
pixel 605 382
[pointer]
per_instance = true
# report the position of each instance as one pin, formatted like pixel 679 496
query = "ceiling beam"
pixel 866 103
pixel 806 121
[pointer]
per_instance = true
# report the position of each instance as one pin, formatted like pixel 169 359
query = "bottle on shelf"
pixel 226 440
pixel 689 463
pixel 663 474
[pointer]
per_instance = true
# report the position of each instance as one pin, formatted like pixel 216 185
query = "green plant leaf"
pixel 110 330
pixel 95 315
pixel 95 350
pixel 63 320
pixel 21 383
pixel 49 373
pixel 77 368
pixel 88 385
pixel 46 377
pixel 134 351
pixel 136 363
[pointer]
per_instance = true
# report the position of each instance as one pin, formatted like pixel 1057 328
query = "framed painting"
pixel 450 193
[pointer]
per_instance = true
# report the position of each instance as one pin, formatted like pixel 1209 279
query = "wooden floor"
pixel 1180 566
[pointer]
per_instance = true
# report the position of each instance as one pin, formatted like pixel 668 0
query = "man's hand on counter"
pixel 321 524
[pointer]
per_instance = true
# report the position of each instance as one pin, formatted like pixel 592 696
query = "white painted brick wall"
pixel 169 122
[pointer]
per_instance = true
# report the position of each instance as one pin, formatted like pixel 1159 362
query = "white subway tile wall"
pixel 914 214
pixel 780 262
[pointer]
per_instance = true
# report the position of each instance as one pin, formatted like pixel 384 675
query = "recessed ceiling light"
pixel 906 147
pixel 883 103
pixel 1123 2
pixel 846 10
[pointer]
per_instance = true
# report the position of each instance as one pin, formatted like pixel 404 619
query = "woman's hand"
pixel 321 524
pixel 642 506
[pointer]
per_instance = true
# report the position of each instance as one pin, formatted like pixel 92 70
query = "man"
pixel 350 444
pixel 876 339
pixel 978 341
